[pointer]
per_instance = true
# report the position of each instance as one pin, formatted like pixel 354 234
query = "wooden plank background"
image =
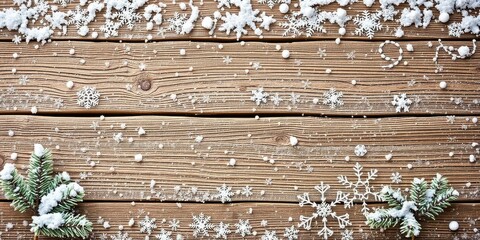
pixel 213 101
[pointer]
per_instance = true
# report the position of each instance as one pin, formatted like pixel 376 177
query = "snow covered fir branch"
pixel 304 17
pixel 50 197
pixel 424 201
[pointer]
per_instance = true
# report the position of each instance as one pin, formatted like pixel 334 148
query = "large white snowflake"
pixel 259 96
pixel 147 225
pixel 88 97
pixel 324 210
pixel 201 225
pixel 224 193
pixel 332 98
pixel 237 22
pixel 269 235
pixel 401 102
pixel 222 230
pixel 243 227
pixel 120 236
pixel 367 24
pixel 361 189
pixel 163 235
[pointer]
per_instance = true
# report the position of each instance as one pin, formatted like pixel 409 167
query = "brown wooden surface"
pixel 424 142
pixel 434 31
pixel 228 87
pixel 277 215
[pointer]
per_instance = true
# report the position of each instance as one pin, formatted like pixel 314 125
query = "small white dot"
pixel 443 85
pixel 72 51
pixel 453 225
pixel 285 54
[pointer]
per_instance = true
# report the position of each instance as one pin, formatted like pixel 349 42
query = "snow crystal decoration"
pixel 222 230
pixel 224 193
pixel 88 97
pixel 259 96
pixel 163 235
pixel 180 24
pixel 396 177
pixel 120 236
pixel 291 233
pixel 401 102
pixel 269 235
pixel 361 188
pixel 395 62
pixel 174 224
pixel 360 150
pixel 272 3
pixel 367 24
pixel 201 225
pixel 237 22
pixel 332 98
pixel 243 227
pixel 147 225
pixel 324 210
pixel 347 235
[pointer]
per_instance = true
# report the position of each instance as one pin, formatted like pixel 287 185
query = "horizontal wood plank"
pixel 181 153
pixel 201 83
pixel 139 33
pixel 278 217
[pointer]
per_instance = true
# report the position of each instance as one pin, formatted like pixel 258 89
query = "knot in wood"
pixel 145 84
pixel 282 139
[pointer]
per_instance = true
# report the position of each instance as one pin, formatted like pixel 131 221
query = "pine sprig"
pixel 424 201
pixel 52 197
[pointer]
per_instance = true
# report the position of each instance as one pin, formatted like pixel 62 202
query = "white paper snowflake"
pixel 174 224
pixel 367 24
pixel 201 225
pixel 147 225
pixel 347 235
pixel 246 191
pixel 396 177
pixel 110 28
pixel 259 96
pixel 224 193
pixel 271 3
pixel 360 150
pixel 120 236
pixel 243 227
pixel 88 97
pixel 401 102
pixel 291 233
pixel 23 80
pixel 163 235
pixel 276 99
pixel 361 189
pixel 222 230
pixel 324 210
pixel 269 235
pixel 176 22
pixel 237 22
pixel 332 98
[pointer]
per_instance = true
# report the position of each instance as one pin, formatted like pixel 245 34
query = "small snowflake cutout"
pixel 243 227
pixel 367 24
pixel 224 193
pixel 88 97
pixel 401 103
pixel 201 225
pixel 147 225
pixel 259 96
pixel 332 98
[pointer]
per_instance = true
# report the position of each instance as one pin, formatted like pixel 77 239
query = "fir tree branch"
pixel 410 227
pixel 39 174
pixel 15 188
pixel 393 197
pixel 73 226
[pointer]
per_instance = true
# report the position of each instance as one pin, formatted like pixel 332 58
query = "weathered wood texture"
pixel 139 33
pixel 213 87
pixel 324 143
pixel 277 216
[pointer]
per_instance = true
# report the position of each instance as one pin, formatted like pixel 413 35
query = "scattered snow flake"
pixel 396 177
pixel 237 22
pixel 243 227
pixel 292 26
pixel 110 28
pixel 401 102
pixel 271 3
pixel 201 225
pixel 361 189
pixel 360 150
pixel 259 96
pixel 224 193
pixel 163 235
pixel 388 13
pixel 294 98
pixel 147 225
pixel 222 230
pixel 367 24
pixel 323 210
pixel 17 39
pixel 120 236
pixel 127 16
pixel 88 97
pixel 455 29
pixel 58 103
pixel 174 224
pixel 322 52
pixel 23 80
pixel 269 235
pixel 276 99
pixel 291 233
pixel 347 234
pixel 176 22
pixel 222 3
pixel 256 65
pixel 451 119
pixel 246 191
pixel 64 3
pixel 351 55
pixel 332 98
pixel 227 60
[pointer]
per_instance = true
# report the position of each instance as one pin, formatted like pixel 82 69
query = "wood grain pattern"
pixel 182 161
pixel 199 83
pixel 277 215
pixel 139 33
